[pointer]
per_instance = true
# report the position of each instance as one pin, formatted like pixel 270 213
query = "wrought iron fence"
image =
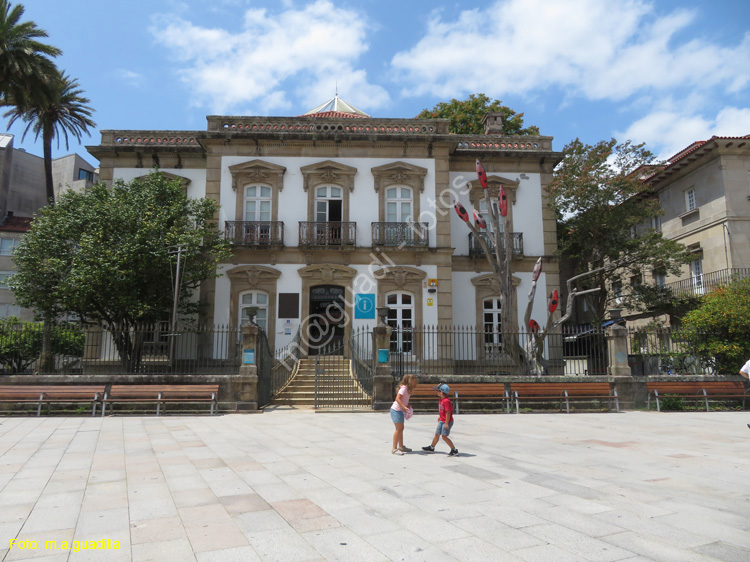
pixel 397 234
pixel 707 282
pixel 667 351
pixel 327 233
pixel 254 233
pixel 150 349
pixel 475 248
pixel 337 383
pixel 457 351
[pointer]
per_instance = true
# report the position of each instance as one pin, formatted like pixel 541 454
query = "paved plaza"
pixel 293 485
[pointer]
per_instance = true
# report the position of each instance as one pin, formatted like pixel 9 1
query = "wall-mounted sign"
pixel 248 357
pixel 430 302
pixel 384 355
pixel 432 283
pixel 364 306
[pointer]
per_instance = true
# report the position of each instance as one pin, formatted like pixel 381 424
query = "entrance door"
pixel 326 324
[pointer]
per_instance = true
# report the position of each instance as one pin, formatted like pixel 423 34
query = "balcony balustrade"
pixel 706 282
pixel 328 234
pixel 254 233
pixel 400 234
pixel 475 248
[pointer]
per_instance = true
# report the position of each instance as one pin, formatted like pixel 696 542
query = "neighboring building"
pixel 22 194
pixel 338 208
pixel 704 192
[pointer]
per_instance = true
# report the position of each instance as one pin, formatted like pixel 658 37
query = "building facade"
pixel 334 213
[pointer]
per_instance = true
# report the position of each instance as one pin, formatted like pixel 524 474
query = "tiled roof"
pixel 334 115
pixel 335 107
pixel 16 224
pixel 678 160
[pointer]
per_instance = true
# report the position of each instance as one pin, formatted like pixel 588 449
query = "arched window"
pixel 258 300
pixel 401 319
pixel 257 205
pixel 328 203
pixel 398 204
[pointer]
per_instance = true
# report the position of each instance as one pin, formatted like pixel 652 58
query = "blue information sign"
pixel 248 356
pixel 364 306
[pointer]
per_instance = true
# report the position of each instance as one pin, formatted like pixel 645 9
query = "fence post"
pixel 382 380
pixel 617 337
pixel 247 383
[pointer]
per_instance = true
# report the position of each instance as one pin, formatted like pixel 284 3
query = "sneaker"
pixel 397 452
pixel 404 449
pixel 453 453
pixel 429 449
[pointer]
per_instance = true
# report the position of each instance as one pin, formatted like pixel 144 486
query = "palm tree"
pixel 64 112
pixel 25 67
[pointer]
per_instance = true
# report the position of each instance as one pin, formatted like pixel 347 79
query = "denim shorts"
pixel 443 429
pixel 397 416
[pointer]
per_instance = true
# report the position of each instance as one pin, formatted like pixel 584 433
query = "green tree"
pixel 25 65
pixel 107 255
pixel 602 208
pixel 466 116
pixel 21 343
pixel 63 112
pixel 718 329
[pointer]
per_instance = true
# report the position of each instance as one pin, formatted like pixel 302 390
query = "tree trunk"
pixel 49 182
pixel 46 357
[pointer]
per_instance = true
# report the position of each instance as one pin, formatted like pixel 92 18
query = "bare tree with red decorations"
pixel 529 357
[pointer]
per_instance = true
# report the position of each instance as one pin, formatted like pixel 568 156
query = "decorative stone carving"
pixel 257 172
pixel 398 173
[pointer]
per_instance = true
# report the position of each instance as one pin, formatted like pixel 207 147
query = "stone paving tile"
pixel 340 544
pixel 282 545
pixel 177 549
pixel 41 538
pixel 654 549
pixel 155 530
pixel 239 554
pixel 404 545
pixel 211 528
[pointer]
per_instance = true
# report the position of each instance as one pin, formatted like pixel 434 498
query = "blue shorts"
pixel 443 429
pixel 397 416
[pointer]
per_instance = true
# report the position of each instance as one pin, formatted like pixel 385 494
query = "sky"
pixel 661 72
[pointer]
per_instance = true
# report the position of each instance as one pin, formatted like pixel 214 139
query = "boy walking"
pixel 445 421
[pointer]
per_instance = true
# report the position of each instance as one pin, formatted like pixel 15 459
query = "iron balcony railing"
pixel 254 233
pixel 328 234
pixel 475 248
pixel 400 234
pixel 707 282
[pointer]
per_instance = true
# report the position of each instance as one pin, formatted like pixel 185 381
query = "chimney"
pixel 493 123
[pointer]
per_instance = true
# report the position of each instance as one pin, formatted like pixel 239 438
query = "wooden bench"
pixel 474 392
pixel 161 394
pixel 47 394
pixel 696 391
pixel 563 392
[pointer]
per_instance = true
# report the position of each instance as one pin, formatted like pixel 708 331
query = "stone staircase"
pixel 337 387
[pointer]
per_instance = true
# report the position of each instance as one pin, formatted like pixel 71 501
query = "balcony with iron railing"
pixel 327 234
pixel 400 234
pixel 254 233
pixel 475 248
pixel 706 282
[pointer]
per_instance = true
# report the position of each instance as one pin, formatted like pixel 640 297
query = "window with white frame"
pixel 8 246
pixel 4 276
pixel 329 204
pixel 656 223
pixel 696 274
pixel 690 203
pixel 486 215
pixel 617 291
pixel 259 301
pixel 491 321
pixel 660 279
pixel 401 319
pixel 257 203
pixel 398 204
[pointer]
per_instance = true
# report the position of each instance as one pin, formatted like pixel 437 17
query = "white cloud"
pixel 301 51
pixel 670 131
pixel 599 49
pixel 132 78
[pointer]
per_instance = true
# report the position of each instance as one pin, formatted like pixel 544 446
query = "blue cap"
pixel 444 388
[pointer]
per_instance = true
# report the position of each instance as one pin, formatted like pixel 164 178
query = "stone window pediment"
pixel 494 182
pixel 399 174
pixel 257 172
pixel 328 173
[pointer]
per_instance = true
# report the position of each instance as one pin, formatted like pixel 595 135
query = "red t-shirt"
pixel 445 407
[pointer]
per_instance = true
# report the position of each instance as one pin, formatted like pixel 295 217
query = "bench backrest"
pixel 557 388
pixel 51 391
pixel 463 389
pixel 715 387
pixel 166 390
